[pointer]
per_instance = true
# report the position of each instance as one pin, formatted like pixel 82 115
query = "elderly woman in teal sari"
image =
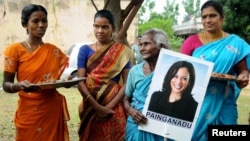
pixel 139 79
pixel 228 52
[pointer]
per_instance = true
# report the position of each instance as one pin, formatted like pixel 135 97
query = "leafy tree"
pixel 237 17
pixel 164 21
pixel 147 7
pixel 171 11
pixel 192 8
pixel 165 24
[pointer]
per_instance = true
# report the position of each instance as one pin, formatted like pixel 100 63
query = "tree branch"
pixel 121 35
pixel 106 4
pixel 93 3
pixel 126 11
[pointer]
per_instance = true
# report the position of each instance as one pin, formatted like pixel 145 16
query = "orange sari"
pixel 40 115
pixel 102 66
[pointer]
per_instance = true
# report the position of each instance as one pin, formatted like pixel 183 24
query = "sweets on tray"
pixel 221 76
pixel 58 83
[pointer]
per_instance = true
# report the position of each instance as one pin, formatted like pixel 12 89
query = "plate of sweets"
pixel 51 84
pixel 221 76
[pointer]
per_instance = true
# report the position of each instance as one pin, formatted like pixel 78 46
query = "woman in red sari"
pixel 103 63
pixel 41 114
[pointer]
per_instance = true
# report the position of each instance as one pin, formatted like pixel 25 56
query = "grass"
pixel 8 103
pixel 244 106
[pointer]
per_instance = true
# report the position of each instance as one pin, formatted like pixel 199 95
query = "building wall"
pixel 70 21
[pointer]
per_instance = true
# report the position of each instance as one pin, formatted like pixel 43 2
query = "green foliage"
pixel 192 8
pixel 176 43
pixel 171 11
pixel 147 7
pixel 164 21
pixel 237 17
pixel 166 25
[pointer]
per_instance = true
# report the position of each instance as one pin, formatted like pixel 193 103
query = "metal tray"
pixel 221 76
pixel 59 83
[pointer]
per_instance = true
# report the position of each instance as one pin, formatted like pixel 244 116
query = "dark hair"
pixel 106 14
pixel 28 10
pixel 172 72
pixel 215 4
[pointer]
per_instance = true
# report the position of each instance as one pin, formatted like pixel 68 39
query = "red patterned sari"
pixel 102 66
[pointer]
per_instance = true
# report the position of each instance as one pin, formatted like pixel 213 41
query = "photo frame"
pixel 170 126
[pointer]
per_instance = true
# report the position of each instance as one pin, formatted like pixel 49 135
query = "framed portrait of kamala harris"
pixel 176 94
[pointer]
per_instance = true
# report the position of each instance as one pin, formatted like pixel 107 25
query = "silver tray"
pixel 59 83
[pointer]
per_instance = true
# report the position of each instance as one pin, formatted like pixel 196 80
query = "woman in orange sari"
pixel 41 114
pixel 103 63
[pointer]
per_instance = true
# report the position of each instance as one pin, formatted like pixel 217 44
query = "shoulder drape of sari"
pixel 225 53
pixel 45 63
pixel 102 66
pixel 35 116
pixel 217 51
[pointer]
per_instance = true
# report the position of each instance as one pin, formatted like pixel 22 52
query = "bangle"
pixel 87 97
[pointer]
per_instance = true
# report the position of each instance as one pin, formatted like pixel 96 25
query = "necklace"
pixel 95 46
pixel 29 46
pixel 223 34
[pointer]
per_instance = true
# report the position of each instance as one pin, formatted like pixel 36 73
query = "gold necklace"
pixel 95 46
pixel 29 46
pixel 223 34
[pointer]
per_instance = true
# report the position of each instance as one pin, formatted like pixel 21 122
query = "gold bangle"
pixel 87 97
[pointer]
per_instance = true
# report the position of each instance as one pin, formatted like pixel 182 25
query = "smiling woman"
pixel 175 95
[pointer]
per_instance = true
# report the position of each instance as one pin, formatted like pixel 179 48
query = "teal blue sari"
pixel 219 105
pixel 138 101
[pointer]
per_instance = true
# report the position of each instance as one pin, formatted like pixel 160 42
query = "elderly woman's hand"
pixel 137 116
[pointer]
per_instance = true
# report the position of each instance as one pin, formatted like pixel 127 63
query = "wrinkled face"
pixel 37 24
pixel 103 29
pixel 180 81
pixel 212 21
pixel 148 48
